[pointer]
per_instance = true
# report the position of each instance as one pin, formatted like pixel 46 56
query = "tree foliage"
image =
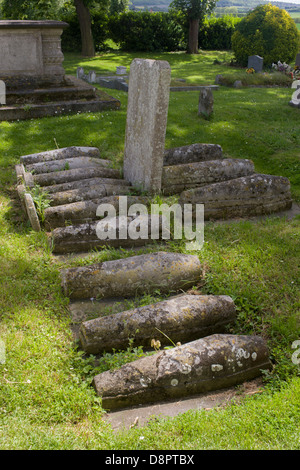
pixel 194 11
pixel 30 9
pixel 269 32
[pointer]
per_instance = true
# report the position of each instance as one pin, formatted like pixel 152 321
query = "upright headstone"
pixel 256 62
pixel 80 72
pixel 2 92
pixel 120 70
pixel 206 102
pixel 298 60
pixel 147 111
pixel 92 76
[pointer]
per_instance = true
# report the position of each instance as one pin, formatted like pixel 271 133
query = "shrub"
pixel 145 31
pixel 269 32
pixel 216 33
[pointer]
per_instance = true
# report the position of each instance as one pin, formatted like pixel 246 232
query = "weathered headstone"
pixel 132 276
pixel 31 212
pixel 92 76
pixel 184 318
pixel 121 70
pixel 247 196
pixel 80 73
pixel 177 178
pixel 192 153
pixel 148 100
pixel 256 62
pixel 2 92
pixel 238 84
pixel 211 363
pixel 206 102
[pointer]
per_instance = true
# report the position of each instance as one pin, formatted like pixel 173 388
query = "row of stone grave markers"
pixel 78 180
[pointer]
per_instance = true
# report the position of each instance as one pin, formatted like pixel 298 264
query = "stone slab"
pixel 64 176
pixel 36 111
pixel 60 154
pixel 181 319
pixel 67 163
pixel 177 178
pixel 241 197
pixel 83 211
pixel 128 277
pixel 211 363
pixel 84 237
pixel 192 153
pixel 31 212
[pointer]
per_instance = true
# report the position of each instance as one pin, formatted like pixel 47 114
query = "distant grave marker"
pixel 256 62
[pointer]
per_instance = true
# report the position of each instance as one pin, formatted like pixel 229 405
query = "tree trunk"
pixel 84 19
pixel 193 36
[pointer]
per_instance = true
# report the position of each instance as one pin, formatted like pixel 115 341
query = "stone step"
pixel 177 178
pixel 132 276
pixel 192 153
pixel 181 319
pixel 211 363
pixel 58 108
pixel 46 95
pixel 87 194
pixel 241 197
pixel 98 170
pixel 66 164
pixel 60 154
pixel 84 185
pixel 85 236
pixel 84 211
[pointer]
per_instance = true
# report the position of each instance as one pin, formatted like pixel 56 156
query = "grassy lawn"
pixel 46 400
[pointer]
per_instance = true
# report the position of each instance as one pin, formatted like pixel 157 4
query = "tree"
pixel 194 11
pixel 85 23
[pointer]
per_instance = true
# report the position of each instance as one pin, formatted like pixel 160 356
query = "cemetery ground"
pixel 46 398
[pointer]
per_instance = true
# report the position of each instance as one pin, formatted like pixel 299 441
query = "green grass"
pixel 46 400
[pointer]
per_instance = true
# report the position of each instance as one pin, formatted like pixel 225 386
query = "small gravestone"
pixel 255 62
pixel 206 103
pixel 92 76
pixel 121 70
pixel 238 84
pixel 80 72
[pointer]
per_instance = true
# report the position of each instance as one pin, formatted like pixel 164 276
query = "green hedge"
pixel 216 33
pixel 148 32
pixel 145 31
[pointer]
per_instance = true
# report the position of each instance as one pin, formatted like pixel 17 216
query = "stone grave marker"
pixel 148 100
pixel 206 103
pixel 80 72
pixel 256 62
pixel 2 92
pixel 121 70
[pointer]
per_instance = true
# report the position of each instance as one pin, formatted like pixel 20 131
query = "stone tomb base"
pixel 26 101
pixel 34 80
